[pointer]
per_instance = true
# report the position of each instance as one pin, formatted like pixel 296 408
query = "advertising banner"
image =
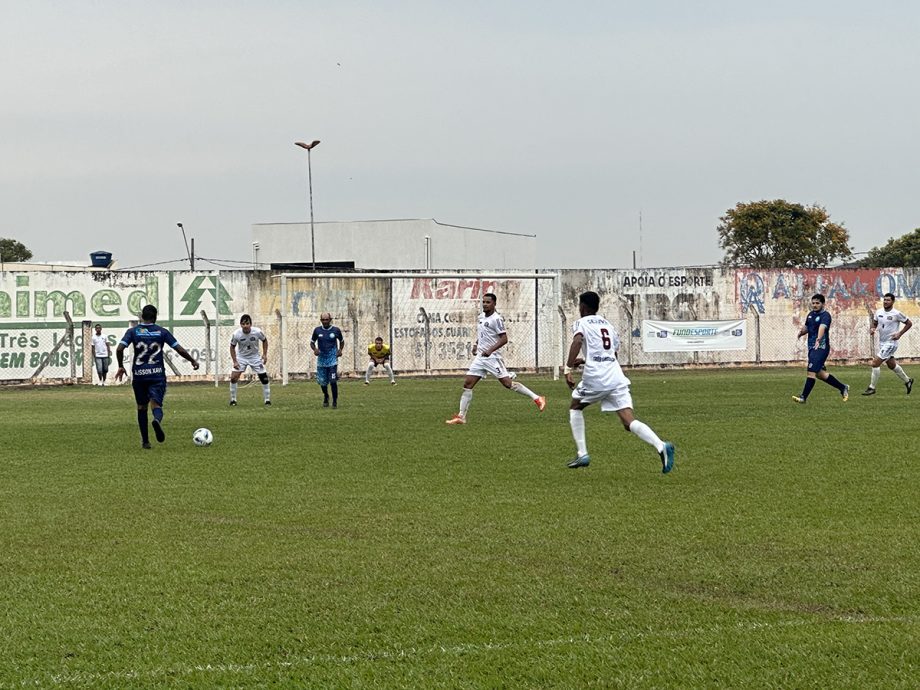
pixel 693 336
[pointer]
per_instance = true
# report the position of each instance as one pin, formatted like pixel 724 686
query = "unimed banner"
pixel 693 336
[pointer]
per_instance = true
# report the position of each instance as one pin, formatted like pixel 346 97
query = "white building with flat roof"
pixel 410 244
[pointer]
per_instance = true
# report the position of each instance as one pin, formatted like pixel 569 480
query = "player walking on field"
pixel 148 376
pixel 887 323
pixel 595 343
pixel 817 327
pixel 244 353
pixel 490 338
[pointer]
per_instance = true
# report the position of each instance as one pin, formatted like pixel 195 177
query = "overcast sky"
pixel 559 119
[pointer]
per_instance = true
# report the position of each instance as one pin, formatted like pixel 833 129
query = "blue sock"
pixel 834 382
pixel 142 423
pixel 158 414
pixel 809 384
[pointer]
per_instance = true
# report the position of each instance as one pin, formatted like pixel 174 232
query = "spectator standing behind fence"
pixel 379 354
pixel 887 322
pixel 102 354
pixel 327 343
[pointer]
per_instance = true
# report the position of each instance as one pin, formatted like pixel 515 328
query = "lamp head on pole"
pixel 312 144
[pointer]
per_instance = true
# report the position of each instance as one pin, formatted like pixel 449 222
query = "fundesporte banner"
pixel 693 336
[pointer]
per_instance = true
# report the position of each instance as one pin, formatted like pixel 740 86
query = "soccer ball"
pixel 202 437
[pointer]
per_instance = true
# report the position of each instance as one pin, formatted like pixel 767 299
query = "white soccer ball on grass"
pixel 203 437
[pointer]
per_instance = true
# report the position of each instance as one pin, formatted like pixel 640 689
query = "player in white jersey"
pixel 594 344
pixel 891 325
pixel 490 338
pixel 244 352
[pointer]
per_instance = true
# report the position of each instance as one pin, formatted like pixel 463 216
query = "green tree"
pixel 900 251
pixel 780 234
pixel 13 250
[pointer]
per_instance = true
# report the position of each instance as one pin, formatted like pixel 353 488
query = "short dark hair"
pixel 245 318
pixel 492 295
pixel 818 296
pixel 378 338
pixel 149 313
pixel 888 294
pixel 591 300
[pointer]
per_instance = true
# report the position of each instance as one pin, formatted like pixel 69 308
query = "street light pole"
pixel 309 147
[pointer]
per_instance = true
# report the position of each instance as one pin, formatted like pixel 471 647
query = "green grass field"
pixel 375 546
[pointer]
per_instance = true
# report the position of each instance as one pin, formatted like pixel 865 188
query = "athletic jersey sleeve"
pixel 169 339
pixel 127 338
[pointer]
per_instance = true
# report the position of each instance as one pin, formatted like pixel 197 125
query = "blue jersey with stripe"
pixel 327 341
pixel 148 339
pixel 813 321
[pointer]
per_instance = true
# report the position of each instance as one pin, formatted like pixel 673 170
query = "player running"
pixel 148 375
pixel 244 352
pixel 490 337
pixel 817 327
pixel 595 344
pixel 887 323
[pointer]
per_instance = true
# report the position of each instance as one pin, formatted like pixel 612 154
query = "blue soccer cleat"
pixel 667 458
pixel 158 430
pixel 582 461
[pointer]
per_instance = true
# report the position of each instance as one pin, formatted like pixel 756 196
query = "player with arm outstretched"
pixel 602 381
pixel 490 338
pixel 148 374
pixel 244 353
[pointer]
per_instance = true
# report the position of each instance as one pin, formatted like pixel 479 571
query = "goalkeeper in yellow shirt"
pixel 379 354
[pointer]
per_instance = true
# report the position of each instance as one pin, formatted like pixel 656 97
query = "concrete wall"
pixel 395 245
pixel 431 322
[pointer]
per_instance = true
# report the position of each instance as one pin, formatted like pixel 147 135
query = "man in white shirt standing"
pixel 244 352
pixel 102 354
pixel 595 344
pixel 490 338
pixel 891 325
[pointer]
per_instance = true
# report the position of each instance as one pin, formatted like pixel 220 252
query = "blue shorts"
pixel 816 359
pixel 324 375
pixel 145 391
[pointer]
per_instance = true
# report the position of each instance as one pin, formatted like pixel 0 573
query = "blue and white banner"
pixel 693 336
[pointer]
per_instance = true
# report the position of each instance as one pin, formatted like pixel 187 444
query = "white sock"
pixel 266 392
pixel 370 370
pixel 465 399
pixel 577 422
pixel 389 370
pixel 644 431
pixel 521 389
pixel 876 372
pixel 233 390
pixel 900 373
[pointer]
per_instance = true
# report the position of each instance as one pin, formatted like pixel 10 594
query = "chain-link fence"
pixel 429 320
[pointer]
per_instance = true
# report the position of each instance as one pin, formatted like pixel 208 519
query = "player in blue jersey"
pixel 327 343
pixel 148 375
pixel 817 327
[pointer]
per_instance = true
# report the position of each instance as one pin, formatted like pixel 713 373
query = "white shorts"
pixel 493 364
pixel 258 366
pixel 611 401
pixel 886 350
